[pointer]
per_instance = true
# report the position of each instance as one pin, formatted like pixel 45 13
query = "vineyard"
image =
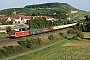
pixel 69 50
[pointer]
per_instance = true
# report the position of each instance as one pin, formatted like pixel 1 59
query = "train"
pixel 39 31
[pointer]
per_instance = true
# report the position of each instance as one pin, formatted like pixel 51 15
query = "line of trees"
pixel 43 23
pixel 24 45
pixel 3 22
pixel 30 43
pixel 84 25
pixel 6 51
pixel 87 23
pixel 77 34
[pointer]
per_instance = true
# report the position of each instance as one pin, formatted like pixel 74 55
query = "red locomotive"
pixel 20 34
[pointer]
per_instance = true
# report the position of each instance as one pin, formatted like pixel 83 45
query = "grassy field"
pixel 68 50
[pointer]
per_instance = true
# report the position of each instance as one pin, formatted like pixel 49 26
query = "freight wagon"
pixel 1 36
pixel 44 30
pixel 35 31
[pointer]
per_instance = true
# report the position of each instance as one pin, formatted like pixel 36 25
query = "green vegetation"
pixel 47 5
pixel 9 31
pixel 56 10
pixel 43 23
pixel 11 50
pixel 61 52
pixel 61 34
pixel 35 43
pixel 51 37
pixel 87 23
pixel 25 45
pixel 4 22
pixel 30 43
pixel 71 31
pixel 84 25
pixel 78 35
pixel 61 11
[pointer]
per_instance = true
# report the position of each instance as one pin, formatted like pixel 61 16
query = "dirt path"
pixel 38 49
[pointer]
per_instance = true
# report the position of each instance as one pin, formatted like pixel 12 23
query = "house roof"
pixel 24 17
pixel 1 16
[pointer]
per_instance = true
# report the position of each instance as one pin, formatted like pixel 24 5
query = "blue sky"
pixel 80 4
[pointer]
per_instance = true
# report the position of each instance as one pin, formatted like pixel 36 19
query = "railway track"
pixel 8 41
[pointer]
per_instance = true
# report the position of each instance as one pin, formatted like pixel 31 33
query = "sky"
pixel 79 4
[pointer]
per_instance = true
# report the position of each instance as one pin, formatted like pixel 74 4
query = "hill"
pixel 56 10
pixel 47 5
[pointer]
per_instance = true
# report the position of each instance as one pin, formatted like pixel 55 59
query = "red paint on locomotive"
pixel 20 34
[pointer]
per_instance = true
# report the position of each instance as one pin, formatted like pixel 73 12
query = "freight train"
pixel 39 31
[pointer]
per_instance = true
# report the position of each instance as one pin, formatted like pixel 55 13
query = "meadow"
pixel 68 50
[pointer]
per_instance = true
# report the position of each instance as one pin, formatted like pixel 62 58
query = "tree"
pixel 87 23
pixel 10 22
pixel 8 29
pixel 29 44
pixel 88 26
pixel 78 34
pixel 87 18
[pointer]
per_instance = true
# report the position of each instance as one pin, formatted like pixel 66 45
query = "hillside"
pixel 47 5
pixel 56 10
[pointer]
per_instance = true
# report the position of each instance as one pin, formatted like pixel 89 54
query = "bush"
pixel 11 50
pixel 61 34
pixel 39 41
pixel 70 31
pixel 51 37
pixel 30 43
pixel 78 34
pixel 75 37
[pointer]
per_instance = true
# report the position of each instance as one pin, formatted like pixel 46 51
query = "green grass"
pixel 44 44
pixel 59 52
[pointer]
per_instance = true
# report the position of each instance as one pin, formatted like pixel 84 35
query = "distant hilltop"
pixel 47 5
pixel 33 9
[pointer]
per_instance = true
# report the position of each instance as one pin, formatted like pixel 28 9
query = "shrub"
pixel 78 34
pixel 51 37
pixel 70 31
pixel 11 49
pixel 30 43
pixel 61 34
pixel 39 41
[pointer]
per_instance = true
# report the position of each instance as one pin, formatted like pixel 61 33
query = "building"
pixel 23 19
pixel 16 27
pixel 72 12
